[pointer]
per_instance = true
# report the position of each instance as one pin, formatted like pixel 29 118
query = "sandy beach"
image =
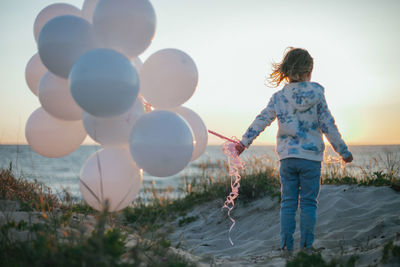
pixel 352 220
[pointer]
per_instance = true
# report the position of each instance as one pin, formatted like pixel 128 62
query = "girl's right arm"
pixel 264 119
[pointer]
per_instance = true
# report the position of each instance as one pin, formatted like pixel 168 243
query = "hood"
pixel 303 95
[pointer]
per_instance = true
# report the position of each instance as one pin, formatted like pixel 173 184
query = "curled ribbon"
pixel 328 159
pixel 235 165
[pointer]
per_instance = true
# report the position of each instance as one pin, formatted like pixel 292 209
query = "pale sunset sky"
pixel 355 46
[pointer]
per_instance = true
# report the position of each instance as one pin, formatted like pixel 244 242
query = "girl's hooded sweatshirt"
pixel 303 117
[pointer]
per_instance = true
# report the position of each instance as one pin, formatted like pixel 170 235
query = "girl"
pixel 303 116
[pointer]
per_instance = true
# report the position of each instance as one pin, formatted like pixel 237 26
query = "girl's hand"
pixel 348 159
pixel 240 148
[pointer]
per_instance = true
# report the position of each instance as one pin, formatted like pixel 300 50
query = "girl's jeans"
pixel 299 177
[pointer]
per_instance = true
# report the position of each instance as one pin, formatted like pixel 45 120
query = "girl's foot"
pixel 287 254
pixel 312 250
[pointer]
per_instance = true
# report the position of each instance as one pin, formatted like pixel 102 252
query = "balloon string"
pixel 235 165
pixel 147 105
pixel 99 168
pixel 224 137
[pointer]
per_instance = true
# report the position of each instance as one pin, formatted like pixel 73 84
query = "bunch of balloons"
pixel 90 81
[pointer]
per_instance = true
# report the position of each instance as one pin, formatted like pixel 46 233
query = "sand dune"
pixel 351 220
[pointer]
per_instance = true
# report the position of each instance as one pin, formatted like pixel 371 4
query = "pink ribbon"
pixel 147 106
pixel 223 137
pixel 235 165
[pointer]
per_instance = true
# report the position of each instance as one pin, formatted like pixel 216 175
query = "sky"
pixel 355 46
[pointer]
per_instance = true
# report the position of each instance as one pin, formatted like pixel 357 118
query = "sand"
pixel 351 220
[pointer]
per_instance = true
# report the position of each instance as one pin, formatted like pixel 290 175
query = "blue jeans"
pixel 299 177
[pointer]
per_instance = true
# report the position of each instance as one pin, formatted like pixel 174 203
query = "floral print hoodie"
pixel 303 116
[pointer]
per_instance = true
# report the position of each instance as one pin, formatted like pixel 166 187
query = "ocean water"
pixel 62 173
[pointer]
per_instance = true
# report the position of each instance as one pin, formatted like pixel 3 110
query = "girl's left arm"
pixel 264 119
pixel 331 131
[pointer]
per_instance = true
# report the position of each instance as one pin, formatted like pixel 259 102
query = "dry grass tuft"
pixel 32 195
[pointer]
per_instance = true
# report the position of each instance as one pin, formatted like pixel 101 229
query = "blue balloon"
pixel 62 41
pixel 104 83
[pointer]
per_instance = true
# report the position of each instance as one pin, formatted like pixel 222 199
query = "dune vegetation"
pixel 40 228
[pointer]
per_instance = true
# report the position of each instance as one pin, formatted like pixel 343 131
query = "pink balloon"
pixel 51 137
pixel 198 127
pixel 110 175
pixel 113 131
pixel 56 98
pixel 127 26
pixel 34 71
pixel 168 78
pixel 51 12
pixel 88 8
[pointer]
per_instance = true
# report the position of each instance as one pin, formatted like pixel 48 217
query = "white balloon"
pixel 110 175
pixel 127 26
pixel 168 78
pixel 161 143
pixel 198 127
pixel 51 137
pixel 51 12
pixel 55 97
pixel 104 83
pixel 113 131
pixel 34 71
pixel 62 41
pixel 88 9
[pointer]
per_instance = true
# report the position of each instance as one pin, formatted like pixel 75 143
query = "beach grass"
pixel 32 195
pixel 303 259
pixel 390 250
pixel 381 170
pixel 54 232
pixel 255 183
pixel 104 246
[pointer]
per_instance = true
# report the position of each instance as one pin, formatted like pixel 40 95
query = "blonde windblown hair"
pixel 295 65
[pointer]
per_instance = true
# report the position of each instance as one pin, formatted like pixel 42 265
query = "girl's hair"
pixel 295 64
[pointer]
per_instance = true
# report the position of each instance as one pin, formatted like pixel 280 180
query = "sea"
pixel 62 174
